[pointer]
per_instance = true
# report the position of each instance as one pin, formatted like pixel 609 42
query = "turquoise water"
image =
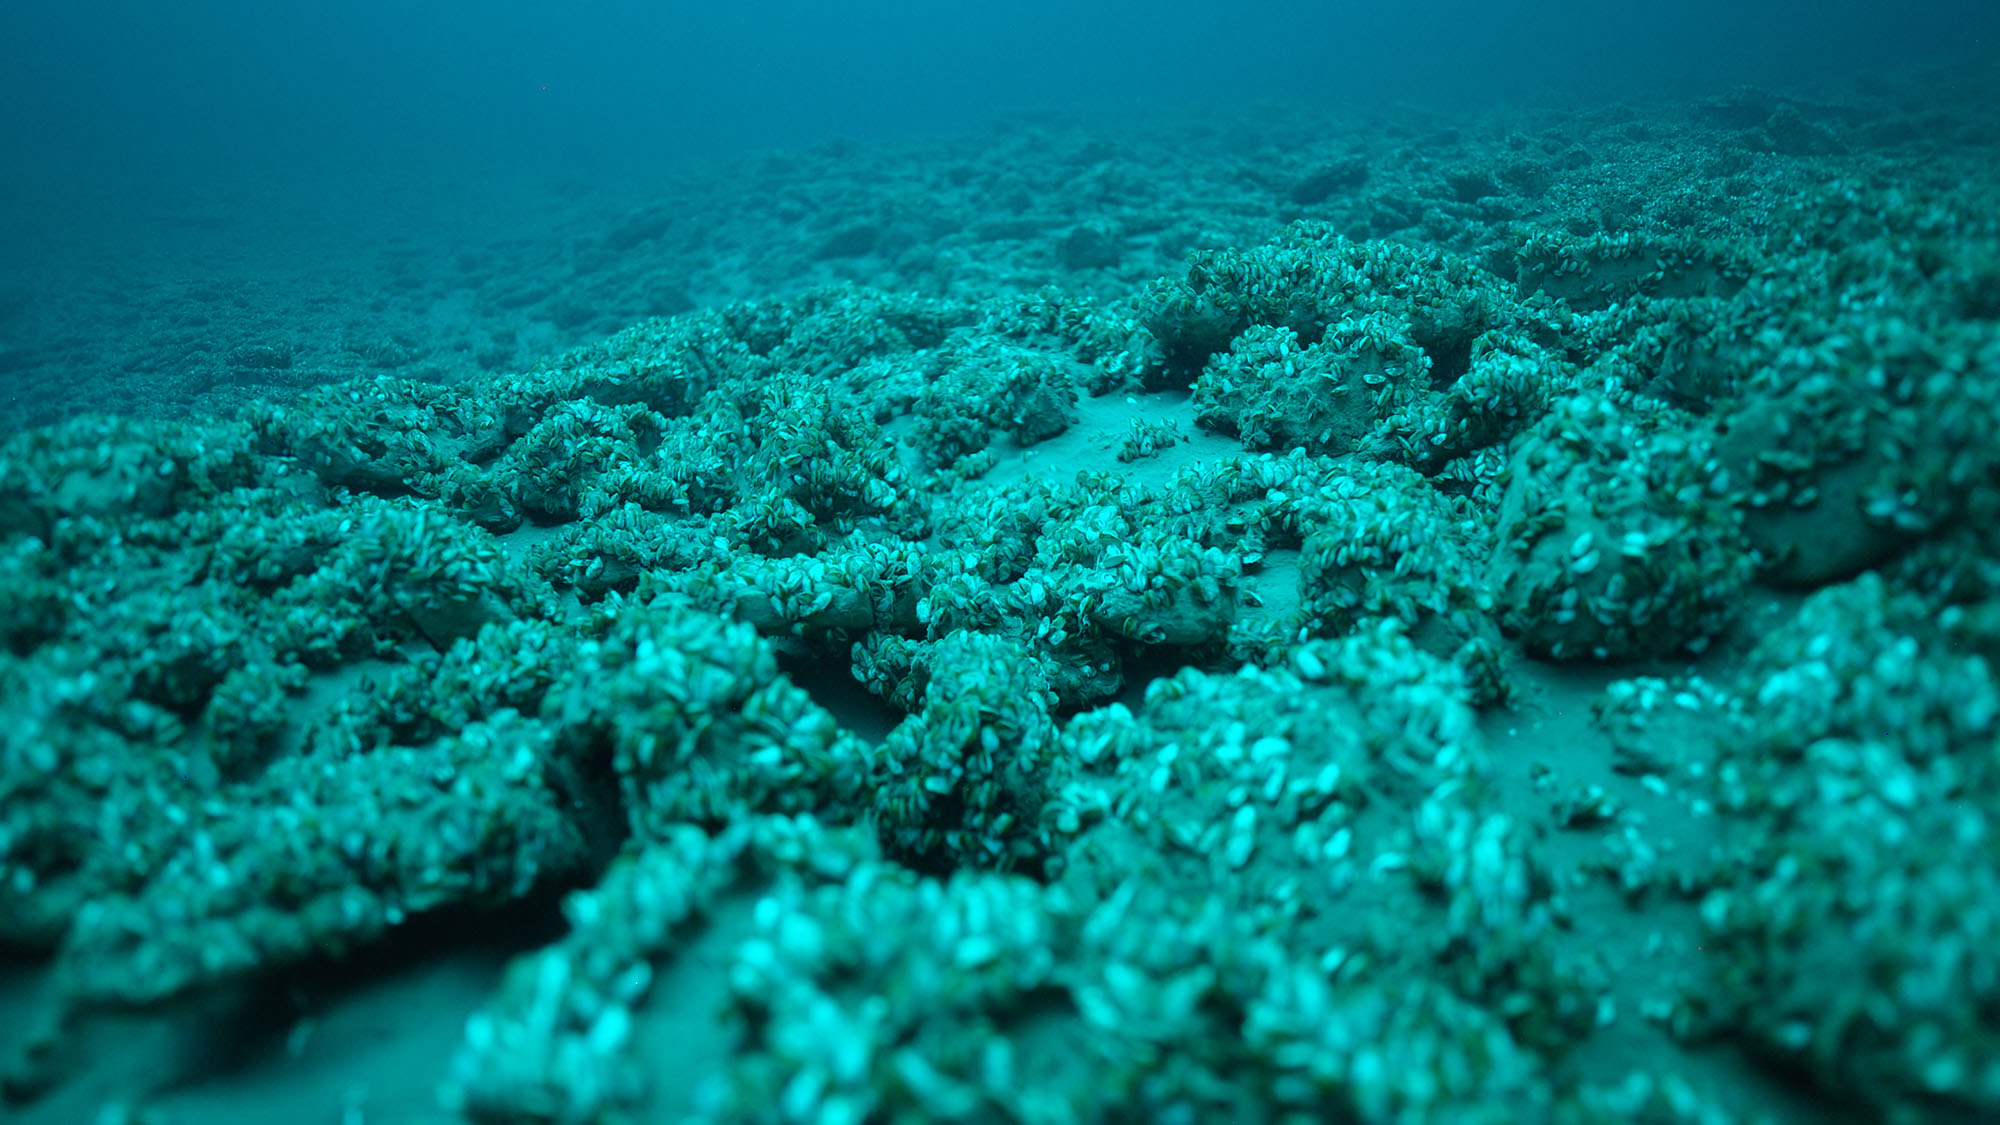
pixel 1092 565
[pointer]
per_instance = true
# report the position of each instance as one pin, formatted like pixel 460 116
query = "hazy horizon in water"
pixel 122 98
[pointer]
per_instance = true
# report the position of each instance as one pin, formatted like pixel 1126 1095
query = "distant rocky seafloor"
pixel 1260 616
